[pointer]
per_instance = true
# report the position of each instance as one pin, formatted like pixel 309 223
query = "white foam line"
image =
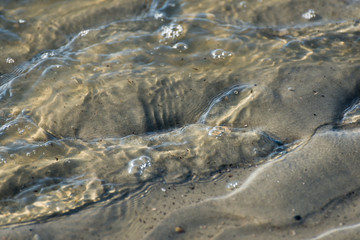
pixel 218 99
pixel 248 181
pixel 336 230
pixel 255 174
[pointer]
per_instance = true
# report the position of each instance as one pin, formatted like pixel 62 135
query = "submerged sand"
pixel 180 120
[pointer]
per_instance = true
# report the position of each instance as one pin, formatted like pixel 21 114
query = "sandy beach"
pixel 179 119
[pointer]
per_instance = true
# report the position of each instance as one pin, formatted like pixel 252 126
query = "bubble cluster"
pixel 10 60
pixel 310 14
pixel 232 185
pixel 220 54
pixel 172 31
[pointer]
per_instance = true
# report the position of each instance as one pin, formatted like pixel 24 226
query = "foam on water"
pixel 352 114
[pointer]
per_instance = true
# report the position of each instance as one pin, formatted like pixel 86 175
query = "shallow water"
pixel 115 112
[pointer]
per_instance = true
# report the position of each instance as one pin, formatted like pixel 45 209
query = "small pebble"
pixel 291 89
pixel 179 230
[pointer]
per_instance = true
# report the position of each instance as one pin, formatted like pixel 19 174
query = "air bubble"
pixel 180 46
pixel 138 165
pixel 310 14
pixel 10 60
pixel 218 131
pixel 220 54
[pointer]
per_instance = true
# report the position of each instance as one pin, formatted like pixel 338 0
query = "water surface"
pixel 114 112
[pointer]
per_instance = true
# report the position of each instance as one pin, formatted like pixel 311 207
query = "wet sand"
pixel 179 120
